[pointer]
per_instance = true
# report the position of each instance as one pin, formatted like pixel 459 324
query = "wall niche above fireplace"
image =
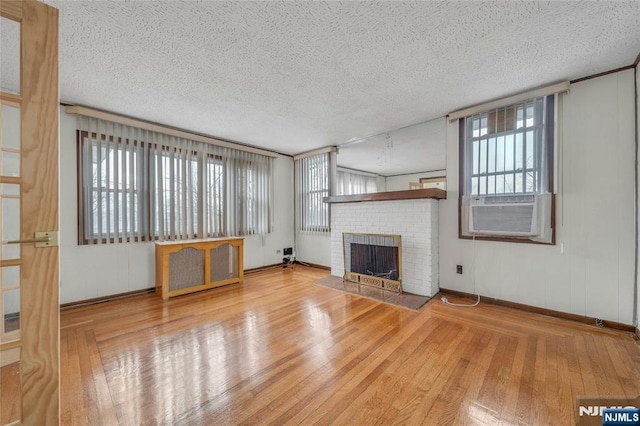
pixel 373 259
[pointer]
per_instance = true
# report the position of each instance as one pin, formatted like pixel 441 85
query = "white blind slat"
pixel 313 183
pixel 98 181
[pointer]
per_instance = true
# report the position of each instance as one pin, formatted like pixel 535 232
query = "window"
pixel 351 182
pixel 214 184
pixel 312 179
pixel 143 186
pixel 176 180
pixel 113 196
pixel 506 150
pixel 250 184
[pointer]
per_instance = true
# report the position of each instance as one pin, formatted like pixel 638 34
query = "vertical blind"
pixel 312 176
pixel 355 183
pixel 140 185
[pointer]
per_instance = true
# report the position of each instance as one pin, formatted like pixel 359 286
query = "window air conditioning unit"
pixel 509 215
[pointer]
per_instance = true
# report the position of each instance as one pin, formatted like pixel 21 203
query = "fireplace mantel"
pixel 409 194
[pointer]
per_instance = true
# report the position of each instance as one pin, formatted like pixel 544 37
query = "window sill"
pixel 503 239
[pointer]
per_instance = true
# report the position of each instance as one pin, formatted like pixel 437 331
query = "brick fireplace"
pixel 414 220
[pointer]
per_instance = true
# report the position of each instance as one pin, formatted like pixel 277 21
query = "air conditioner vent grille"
pixel 512 219
pixel 514 215
pixel 509 199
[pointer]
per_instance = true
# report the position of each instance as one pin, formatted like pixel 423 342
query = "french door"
pixel 29 279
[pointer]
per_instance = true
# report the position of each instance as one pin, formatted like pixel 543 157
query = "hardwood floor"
pixel 280 350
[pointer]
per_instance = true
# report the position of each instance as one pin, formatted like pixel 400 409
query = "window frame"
pixel 531 138
pixel 310 196
pixel 149 227
pixel 140 190
pixel 548 158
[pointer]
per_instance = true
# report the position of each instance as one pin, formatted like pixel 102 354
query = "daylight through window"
pixel 506 151
pixel 137 185
pixel 313 182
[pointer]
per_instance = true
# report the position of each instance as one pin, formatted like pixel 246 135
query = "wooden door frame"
pixel 39 137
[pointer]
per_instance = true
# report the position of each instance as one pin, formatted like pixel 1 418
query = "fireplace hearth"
pixel 373 260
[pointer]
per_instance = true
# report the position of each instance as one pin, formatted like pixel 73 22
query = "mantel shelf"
pixel 409 194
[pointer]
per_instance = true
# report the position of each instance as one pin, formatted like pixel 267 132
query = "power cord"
pixel 460 305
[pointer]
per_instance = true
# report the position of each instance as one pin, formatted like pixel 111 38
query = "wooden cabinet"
pixel 193 265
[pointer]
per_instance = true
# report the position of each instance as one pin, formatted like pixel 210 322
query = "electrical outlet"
pixel 278 251
pixel 459 269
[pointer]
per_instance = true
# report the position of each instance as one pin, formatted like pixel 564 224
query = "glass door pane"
pixel 9 56
pixel 10 142
pixel 9 222
pixel 10 399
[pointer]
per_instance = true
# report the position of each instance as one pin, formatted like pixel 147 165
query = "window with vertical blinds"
pixel 313 183
pixel 139 185
pixel 351 182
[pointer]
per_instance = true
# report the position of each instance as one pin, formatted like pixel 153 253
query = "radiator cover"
pixel 187 266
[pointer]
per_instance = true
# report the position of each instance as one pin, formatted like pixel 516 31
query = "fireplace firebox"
pixel 374 260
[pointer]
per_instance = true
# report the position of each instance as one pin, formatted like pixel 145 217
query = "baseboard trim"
pixel 543 311
pixel 262 268
pixel 103 299
pixel 95 301
pixel 314 265
pixel 637 335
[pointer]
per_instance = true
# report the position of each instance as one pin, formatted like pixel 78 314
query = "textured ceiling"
pixel 295 76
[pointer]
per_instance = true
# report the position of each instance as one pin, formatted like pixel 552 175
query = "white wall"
pixel 313 247
pixel 401 182
pixel 590 271
pixel 93 271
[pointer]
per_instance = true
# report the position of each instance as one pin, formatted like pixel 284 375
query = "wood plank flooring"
pixel 280 350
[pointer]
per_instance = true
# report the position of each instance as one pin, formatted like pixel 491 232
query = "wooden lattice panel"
pixel 392 285
pixel 371 281
pixel 352 276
